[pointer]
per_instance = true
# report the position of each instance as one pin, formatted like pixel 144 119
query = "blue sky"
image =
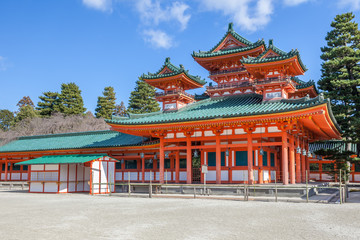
pixel 99 43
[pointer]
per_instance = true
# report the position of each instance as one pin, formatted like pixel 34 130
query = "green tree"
pixel 48 103
pixel 142 99
pixel 26 112
pixel 106 104
pixel 340 80
pixel 70 100
pixel 120 110
pixel 6 119
pixel 25 101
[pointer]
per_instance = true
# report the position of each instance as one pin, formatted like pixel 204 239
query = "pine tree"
pixel 120 110
pixel 340 79
pixel 106 104
pixel 25 101
pixel 142 99
pixel 6 119
pixel 48 103
pixel 70 100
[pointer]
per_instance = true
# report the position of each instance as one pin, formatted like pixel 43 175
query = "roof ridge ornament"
pixel 230 28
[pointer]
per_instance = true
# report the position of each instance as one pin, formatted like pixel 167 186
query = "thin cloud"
pixel 101 5
pixel 153 13
pixel 352 4
pixel 294 2
pixel 248 14
pixel 158 38
pixel 3 65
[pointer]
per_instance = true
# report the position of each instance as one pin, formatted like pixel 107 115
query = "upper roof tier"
pixel 168 73
pixel 231 45
pixel 273 57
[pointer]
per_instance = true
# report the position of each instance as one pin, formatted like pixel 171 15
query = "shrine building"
pixel 254 125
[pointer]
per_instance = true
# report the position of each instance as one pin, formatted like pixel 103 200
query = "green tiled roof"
pixel 306 85
pixel 211 53
pixel 297 80
pixel 94 139
pixel 222 107
pixel 336 145
pixel 282 55
pixel 175 71
pixel 202 54
pixel 63 159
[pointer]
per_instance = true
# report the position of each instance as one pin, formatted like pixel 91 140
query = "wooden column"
pixel 250 158
pixel 218 159
pixel 188 160
pixel 162 157
pixel 143 170
pixel 292 160
pixel 260 171
pixel 297 159
pixel 303 168
pixel 6 169
pixel 177 167
pixel 285 165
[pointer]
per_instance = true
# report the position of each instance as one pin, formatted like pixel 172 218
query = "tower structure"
pixel 174 81
pixel 239 66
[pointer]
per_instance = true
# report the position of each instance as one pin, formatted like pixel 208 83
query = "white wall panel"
pixel 315 176
pixel 24 176
pixel 36 187
pixel 118 176
pixel 224 175
pixel 50 187
pixel 357 177
pixel 239 175
pixel 265 175
pixel 72 172
pixel 211 176
pixel 183 176
pixel 15 176
pixel 49 167
pixel 256 175
pixel 37 167
pixel 2 176
pixel 63 172
pixel 273 174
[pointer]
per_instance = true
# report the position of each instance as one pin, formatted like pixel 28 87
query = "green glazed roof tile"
pixel 94 139
pixel 336 145
pixel 64 159
pixel 175 71
pixel 230 106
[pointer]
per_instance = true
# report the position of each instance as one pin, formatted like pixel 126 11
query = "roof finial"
pixel 230 29
pixel 167 60
pixel 271 42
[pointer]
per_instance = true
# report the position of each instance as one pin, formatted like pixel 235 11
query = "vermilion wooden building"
pixel 253 126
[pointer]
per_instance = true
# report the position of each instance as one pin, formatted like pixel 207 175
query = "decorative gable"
pixel 270 54
pixel 165 71
pixel 229 43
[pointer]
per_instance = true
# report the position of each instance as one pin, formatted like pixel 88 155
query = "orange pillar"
pixel 285 165
pixel 260 171
pixel 161 164
pixel 143 170
pixel 177 167
pixel 6 169
pixel 303 168
pixel 218 159
pixel 188 160
pixel 250 158
pixel 297 159
pixel 292 160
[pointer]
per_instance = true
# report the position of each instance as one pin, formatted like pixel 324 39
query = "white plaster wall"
pixel 224 175
pixel 273 174
pixel 211 176
pixel 265 175
pixel 50 187
pixel 2 176
pixel 118 176
pixel 357 177
pixel 96 176
pixel 63 177
pixel 182 176
pixel 36 187
pixel 72 177
pixel 239 175
pixel 256 175
pixel 15 176
pixel 24 176
pixel 103 176
pixel 315 176
pixel 37 167
pixel 49 167
pixel 326 177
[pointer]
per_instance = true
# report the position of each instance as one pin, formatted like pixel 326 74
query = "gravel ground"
pixel 81 216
